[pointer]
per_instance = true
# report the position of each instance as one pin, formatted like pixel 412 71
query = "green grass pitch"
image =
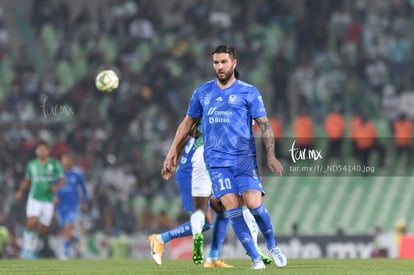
pixel 319 267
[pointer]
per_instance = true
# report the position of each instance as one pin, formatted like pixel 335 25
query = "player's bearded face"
pixel 223 67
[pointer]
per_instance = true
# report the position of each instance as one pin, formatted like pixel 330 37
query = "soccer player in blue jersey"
pixel 194 182
pixel 192 201
pixel 67 202
pixel 227 107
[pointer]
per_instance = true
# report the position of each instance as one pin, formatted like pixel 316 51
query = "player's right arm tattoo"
pixel 268 137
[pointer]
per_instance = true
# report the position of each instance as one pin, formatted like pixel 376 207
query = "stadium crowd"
pixel 310 56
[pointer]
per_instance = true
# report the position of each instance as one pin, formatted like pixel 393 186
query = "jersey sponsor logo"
pixel 211 111
pixel 218 116
pixel 232 99
pixel 50 167
pixel 213 120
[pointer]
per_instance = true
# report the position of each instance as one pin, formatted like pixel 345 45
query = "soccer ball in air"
pixel 106 81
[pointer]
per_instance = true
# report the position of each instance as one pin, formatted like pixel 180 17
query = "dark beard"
pixel 226 79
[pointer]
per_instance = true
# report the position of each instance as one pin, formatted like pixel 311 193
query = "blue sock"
pixel 242 230
pixel 181 231
pixel 66 246
pixel 265 224
pixel 207 226
pixel 219 233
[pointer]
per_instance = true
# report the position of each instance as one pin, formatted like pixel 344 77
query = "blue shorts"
pixel 184 188
pixel 67 216
pixel 236 180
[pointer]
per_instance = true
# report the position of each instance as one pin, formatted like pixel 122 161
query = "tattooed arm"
pixel 267 133
pixel 269 142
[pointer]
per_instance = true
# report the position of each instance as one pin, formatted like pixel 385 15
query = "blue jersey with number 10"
pixel 227 120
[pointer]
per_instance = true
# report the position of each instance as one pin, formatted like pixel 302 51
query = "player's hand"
pixel 18 196
pixel 274 165
pixel 170 165
pixel 168 174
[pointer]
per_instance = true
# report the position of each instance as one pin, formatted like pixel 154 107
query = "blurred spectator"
pixel 335 129
pixel 403 134
pixel 379 251
pixel 355 124
pixel 141 28
pixel 400 229
pixel 390 104
pixel 279 75
pixel 60 147
pixel 366 139
pixel 303 130
pixel 163 221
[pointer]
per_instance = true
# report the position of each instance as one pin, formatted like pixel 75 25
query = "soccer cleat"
pixel 266 259
pixel 63 257
pixel 278 257
pixel 258 264
pixel 198 243
pixel 218 263
pixel 157 249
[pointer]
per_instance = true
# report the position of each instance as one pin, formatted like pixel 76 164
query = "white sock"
pixel 197 221
pixel 211 260
pixel 251 223
pixel 34 242
pixel 159 238
pixel 30 241
pixel 27 239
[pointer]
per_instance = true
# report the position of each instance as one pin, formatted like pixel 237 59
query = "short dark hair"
pixel 232 53
pixel 42 142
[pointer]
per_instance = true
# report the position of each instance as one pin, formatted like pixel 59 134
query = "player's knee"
pixel 252 199
pixel 31 223
pixel 230 201
pixel 200 203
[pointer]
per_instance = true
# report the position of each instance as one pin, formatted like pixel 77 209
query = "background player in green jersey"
pixel 44 176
